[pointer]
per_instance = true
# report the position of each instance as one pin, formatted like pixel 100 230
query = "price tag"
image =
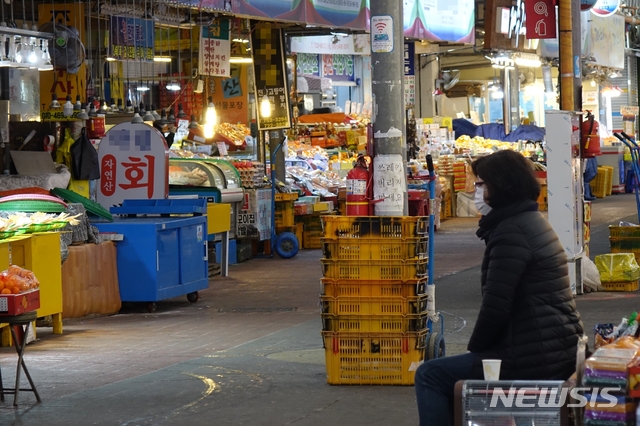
pixel 222 148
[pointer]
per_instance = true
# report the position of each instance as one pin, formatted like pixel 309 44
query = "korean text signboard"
pixel 270 76
pixel 131 38
pixel 230 95
pixel 215 49
pixel 134 164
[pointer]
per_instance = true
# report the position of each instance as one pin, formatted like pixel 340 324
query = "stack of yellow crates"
pixel 601 185
pixel 374 298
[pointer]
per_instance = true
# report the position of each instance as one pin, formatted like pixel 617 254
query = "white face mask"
pixel 482 207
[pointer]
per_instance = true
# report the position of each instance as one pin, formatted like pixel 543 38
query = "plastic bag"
pixel 85 158
pixel 591 274
pixel 617 267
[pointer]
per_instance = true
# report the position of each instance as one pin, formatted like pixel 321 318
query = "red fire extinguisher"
pixel 358 184
pixel 590 136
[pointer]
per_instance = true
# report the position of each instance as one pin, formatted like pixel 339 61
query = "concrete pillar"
pixel 387 61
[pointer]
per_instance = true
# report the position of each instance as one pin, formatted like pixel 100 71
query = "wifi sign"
pixel 382 36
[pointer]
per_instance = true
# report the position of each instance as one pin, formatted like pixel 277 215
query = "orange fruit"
pixel 15 290
pixel 5 291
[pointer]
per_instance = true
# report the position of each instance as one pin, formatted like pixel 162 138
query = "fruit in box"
pixel 16 280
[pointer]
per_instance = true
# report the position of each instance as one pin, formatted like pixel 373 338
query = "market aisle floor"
pixel 250 351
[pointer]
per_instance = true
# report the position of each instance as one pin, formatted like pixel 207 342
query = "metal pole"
pixel 570 74
pixel 506 100
pixel 389 139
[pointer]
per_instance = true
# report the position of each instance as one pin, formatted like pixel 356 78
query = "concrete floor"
pixel 250 351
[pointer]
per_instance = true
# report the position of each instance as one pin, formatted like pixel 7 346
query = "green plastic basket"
pixel 90 205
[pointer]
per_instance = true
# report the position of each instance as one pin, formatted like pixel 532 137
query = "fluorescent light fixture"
pixel 162 59
pixel 240 40
pixel 498 94
pixel 240 60
pixel 265 107
pixel 173 86
pixel 145 88
pixel 530 60
pixel 110 59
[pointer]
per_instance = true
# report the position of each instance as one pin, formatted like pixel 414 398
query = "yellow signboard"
pixel 59 81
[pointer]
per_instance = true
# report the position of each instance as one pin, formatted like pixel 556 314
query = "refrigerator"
pixel 565 187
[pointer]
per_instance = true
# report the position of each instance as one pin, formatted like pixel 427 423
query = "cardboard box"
pixel 16 304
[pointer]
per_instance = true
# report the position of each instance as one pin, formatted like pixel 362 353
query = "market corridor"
pixel 250 351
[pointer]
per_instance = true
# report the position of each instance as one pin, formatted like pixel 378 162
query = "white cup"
pixel 491 369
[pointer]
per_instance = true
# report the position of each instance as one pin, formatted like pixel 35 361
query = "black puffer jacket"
pixel 528 317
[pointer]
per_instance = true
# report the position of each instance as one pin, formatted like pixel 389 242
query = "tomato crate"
pixel 375 288
pixel 375 249
pixel 373 358
pixel 339 227
pixel 374 269
pixel 621 286
pixel 16 304
pixel 374 305
pixel 374 323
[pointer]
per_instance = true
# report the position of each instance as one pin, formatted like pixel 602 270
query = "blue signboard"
pixel 409 58
pixel 131 38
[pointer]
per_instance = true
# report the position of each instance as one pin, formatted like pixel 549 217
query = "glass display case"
pixel 215 179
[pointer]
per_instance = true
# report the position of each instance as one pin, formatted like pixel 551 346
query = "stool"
pixel 19 320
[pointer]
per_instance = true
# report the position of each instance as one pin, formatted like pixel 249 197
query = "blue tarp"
pixel 496 131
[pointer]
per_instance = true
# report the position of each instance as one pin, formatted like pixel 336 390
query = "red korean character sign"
pixel 134 164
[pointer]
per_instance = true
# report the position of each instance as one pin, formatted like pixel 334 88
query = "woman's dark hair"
pixel 508 176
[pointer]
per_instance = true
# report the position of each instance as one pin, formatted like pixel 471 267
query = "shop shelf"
pixel 375 249
pixel 374 269
pixel 372 358
pixel 375 288
pixel 623 286
pixel 374 323
pixel 374 226
pixel 374 305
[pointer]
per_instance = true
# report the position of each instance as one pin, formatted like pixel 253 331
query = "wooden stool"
pixel 19 342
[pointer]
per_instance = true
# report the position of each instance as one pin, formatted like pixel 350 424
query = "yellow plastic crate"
pixel 623 286
pixel 624 232
pixel 312 239
pixel 373 305
pixel 608 179
pixel 284 214
pixel 374 323
pixel 374 226
pixel 288 196
pixel 374 269
pixel 598 185
pixel 372 358
pixel 375 249
pixel 375 288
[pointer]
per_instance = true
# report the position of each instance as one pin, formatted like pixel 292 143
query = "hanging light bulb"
pixel 146 115
pixel 92 110
pixel 210 116
pixel 54 102
pixel 67 109
pixel 78 105
pixel 45 60
pixel 4 59
pixel 181 113
pixel 156 116
pixel 17 57
pixel 33 58
pixel 83 114
pixel 120 105
pixel 194 123
pixel 171 118
pixel 129 107
pixel 136 117
pixel 104 108
pixel 265 107
pixel 114 107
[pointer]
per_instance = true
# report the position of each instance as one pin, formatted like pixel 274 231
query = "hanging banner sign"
pixel 356 44
pixel 308 64
pixel 452 20
pixel 269 71
pixel 541 19
pixel 338 67
pixel 131 38
pixel 215 49
pixel 134 164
